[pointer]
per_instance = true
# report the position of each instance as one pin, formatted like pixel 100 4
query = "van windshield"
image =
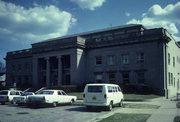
pixel 96 89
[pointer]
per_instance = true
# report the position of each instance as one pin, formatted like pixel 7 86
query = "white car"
pixel 102 95
pixel 53 97
pixel 20 100
pixel 8 95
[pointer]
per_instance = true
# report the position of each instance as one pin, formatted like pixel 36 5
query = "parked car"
pixel 105 95
pixel 8 95
pixel 53 97
pixel 20 100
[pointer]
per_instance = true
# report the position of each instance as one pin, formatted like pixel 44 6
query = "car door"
pixel 66 99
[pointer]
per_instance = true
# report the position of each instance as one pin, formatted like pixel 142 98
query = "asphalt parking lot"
pixel 62 113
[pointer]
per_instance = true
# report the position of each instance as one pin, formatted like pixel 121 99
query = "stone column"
pixel 59 70
pixel 47 72
pixel 35 82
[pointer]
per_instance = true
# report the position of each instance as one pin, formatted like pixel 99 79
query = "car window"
pixel 96 89
pixel 59 93
pixel 17 93
pixel 46 92
pixel 12 93
pixel 4 93
pixel 63 93
pixel 119 89
pixel 116 89
pixel 110 89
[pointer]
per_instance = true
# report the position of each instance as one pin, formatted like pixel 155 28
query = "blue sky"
pixel 23 22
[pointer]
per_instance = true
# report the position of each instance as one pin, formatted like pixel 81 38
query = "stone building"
pixel 126 55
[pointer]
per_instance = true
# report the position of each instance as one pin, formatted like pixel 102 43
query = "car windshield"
pixel 96 89
pixel 26 93
pixel 3 92
pixel 45 92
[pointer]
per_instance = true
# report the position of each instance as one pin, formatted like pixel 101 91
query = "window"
pixel 98 60
pixel 96 89
pixel 112 77
pixel 110 88
pixel 98 78
pixel 169 58
pixel 141 77
pixel 125 77
pixel 173 61
pixel 111 60
pixel 140 57
pixel 169 77
pixel 125 59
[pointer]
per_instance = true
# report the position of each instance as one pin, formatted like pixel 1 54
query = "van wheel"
pixel 54 104
pixel 109 108
pixel 121 103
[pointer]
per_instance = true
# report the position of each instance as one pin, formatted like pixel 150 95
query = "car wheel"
pixel 109 108
pixel 121 103
pixel 54 104
pixel 72 101
pixel 2 103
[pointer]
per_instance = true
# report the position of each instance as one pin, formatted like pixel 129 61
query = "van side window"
pixel 109 88
pixel 114 90
pixel 119 89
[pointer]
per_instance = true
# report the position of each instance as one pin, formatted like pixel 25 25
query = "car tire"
pixel 121 103
pixel 110 106
pixel 72 102
pixel 2 103
pixel 54 104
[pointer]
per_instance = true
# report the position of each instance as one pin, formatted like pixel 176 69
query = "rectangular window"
pixel 111 60
pixel 98 60
pixel 173 61
pixel 125 59
pixel 98 78
pixel 141 77
pixel 169 58
pixel 169 77
pixel 125 77
pixel 96 89
pixel 140 57
pixel 112 77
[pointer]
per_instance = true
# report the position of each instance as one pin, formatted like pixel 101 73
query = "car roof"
pixel 101 84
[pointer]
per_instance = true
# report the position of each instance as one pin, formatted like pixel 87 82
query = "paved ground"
pixel 12 113
pixel 165 113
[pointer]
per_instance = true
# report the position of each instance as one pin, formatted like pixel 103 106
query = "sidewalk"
pixel 166 112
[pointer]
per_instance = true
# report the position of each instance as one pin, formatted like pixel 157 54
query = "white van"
pixel 102 95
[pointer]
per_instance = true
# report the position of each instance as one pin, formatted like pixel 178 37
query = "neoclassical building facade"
pixel 129 54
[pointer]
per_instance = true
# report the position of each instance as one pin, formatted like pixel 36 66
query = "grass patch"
pixel 119 117
pixel 140 106
pixel 139 97
pixel 79 95
pixel 178 105
pixel 126 96
pixel 177 119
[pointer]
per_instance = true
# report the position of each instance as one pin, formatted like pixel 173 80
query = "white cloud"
pixel 89 4
pixel 33 24
pixel 157 16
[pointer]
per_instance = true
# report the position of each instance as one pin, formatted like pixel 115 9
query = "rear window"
pixel 96 89
pixel 4 93
pixel 45 92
